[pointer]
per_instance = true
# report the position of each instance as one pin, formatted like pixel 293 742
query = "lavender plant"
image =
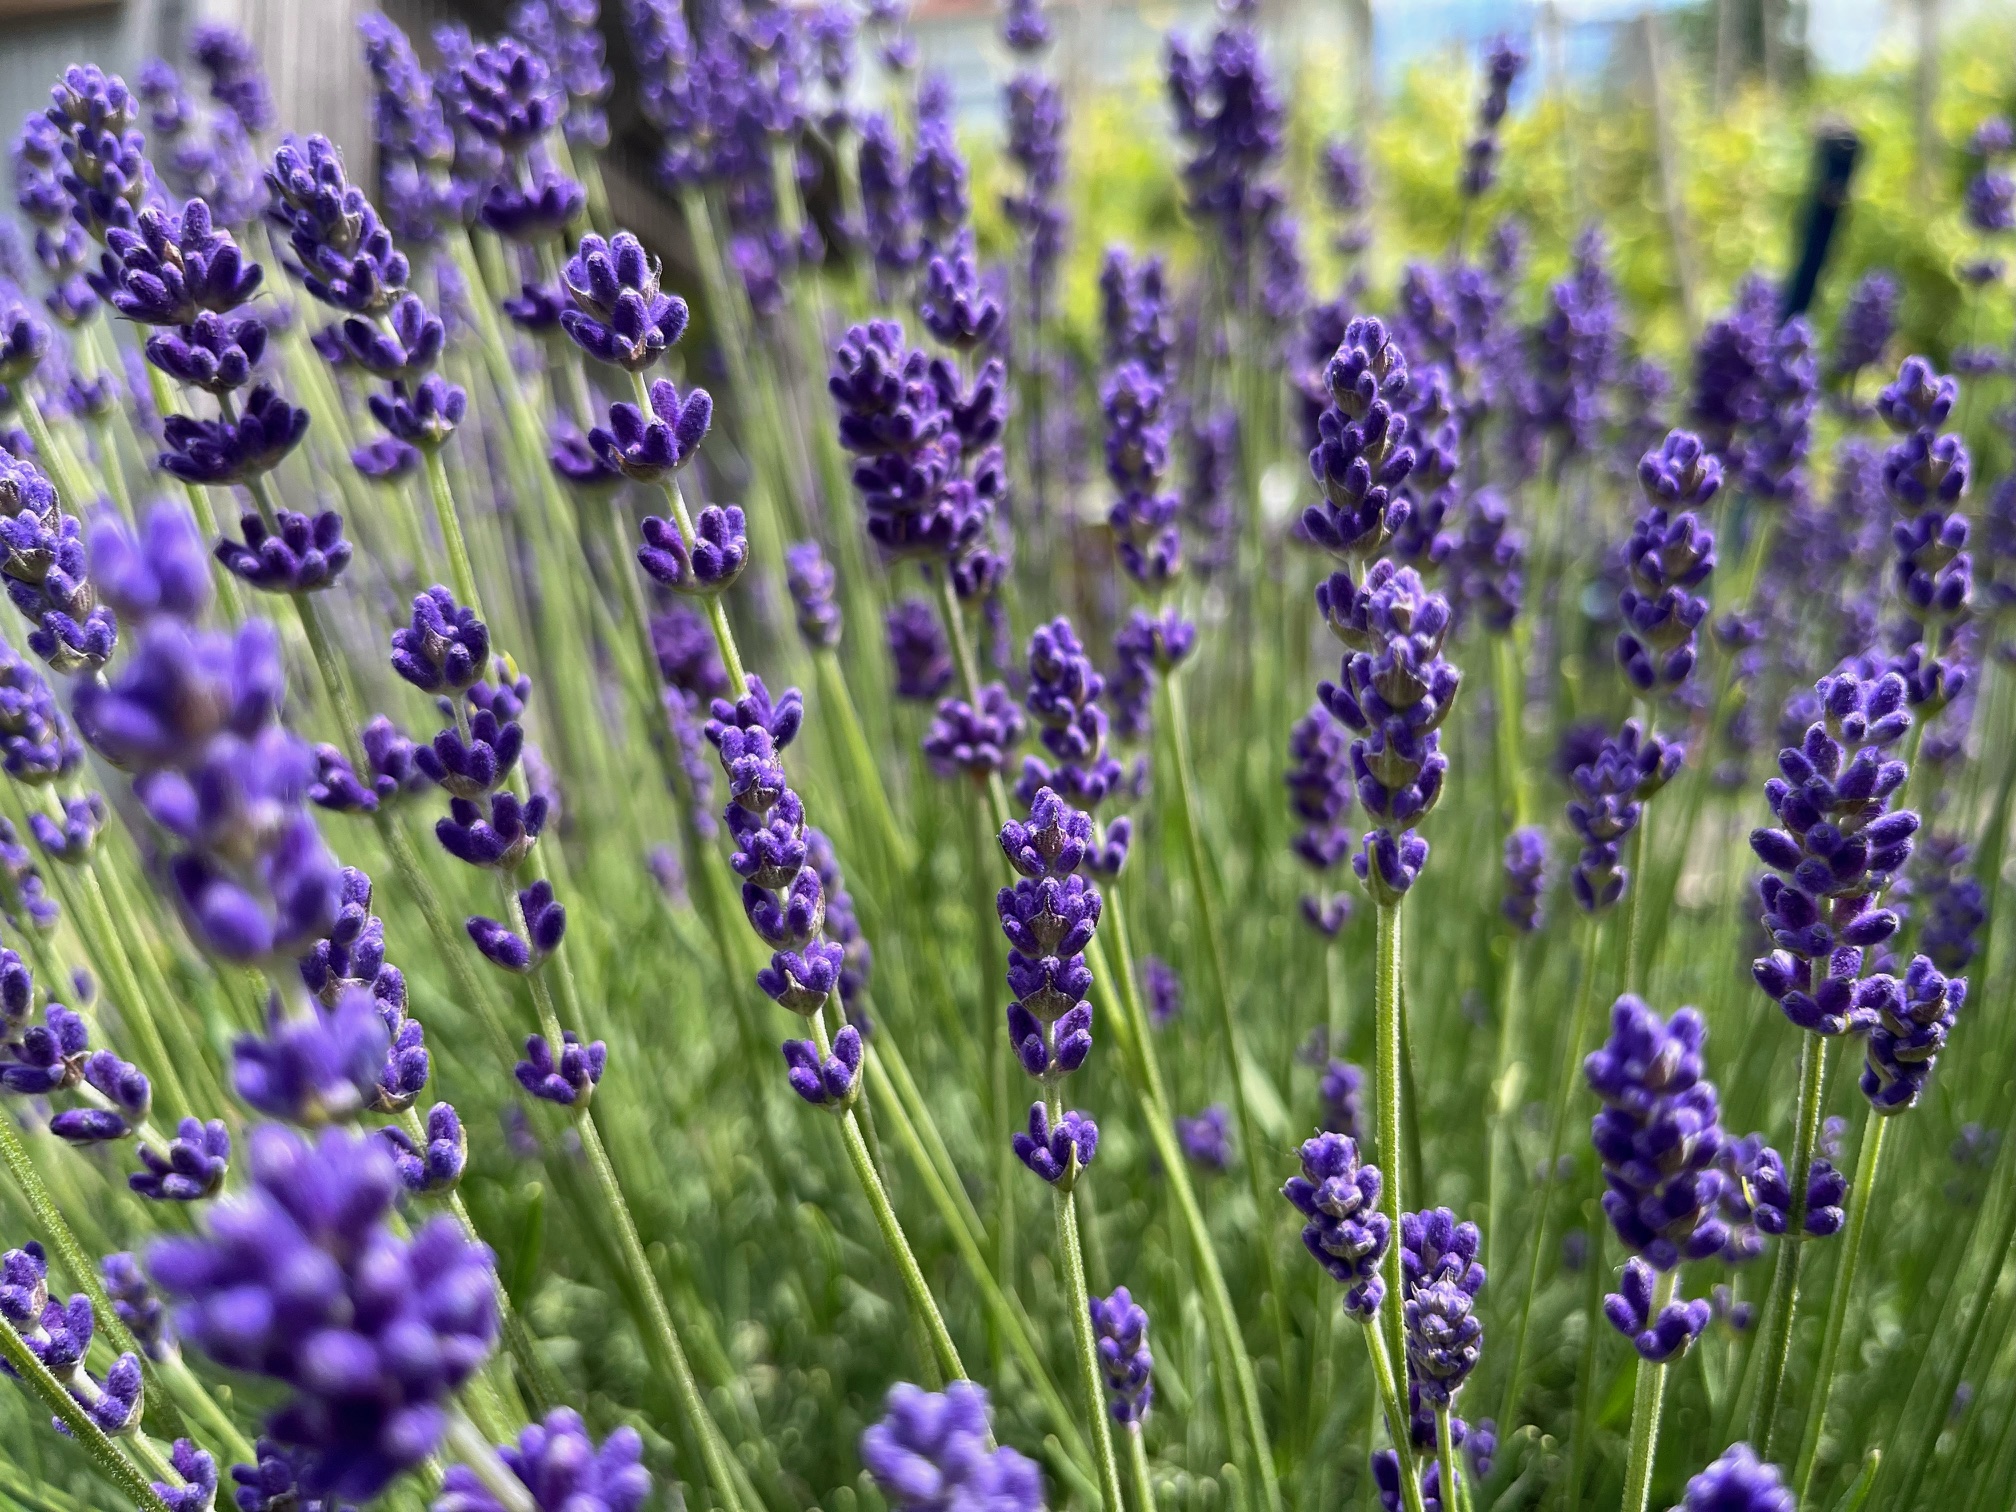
pixel 405 858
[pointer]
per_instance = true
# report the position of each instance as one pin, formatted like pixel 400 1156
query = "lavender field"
pixel 1274 791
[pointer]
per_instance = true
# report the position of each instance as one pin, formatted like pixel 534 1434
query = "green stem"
pixel 1505 1090
pixel 83 1273
pixel 1137 1469
pixel 1860 1197
pixel 443 499
pixel 1397 1417
pixel 105 1456
pixel 1445 1452
pixel 1783 1300
pixel 139 1014
pixel 837 699
pixel 1595 1273
pixel 474 1450
pixel 1579 1033
pixel 661 1335
pixel 1386 1042
pixel 915 1289
pixel 1646 1401
pixel 1080 1304
pixel 1007 1311
pixel 1185 796
pixel 1634 959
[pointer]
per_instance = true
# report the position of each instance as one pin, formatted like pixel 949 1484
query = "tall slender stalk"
pixel 1783 1300
pixel 106 1457
pixel 1646 1401
pixel 1860 1196
pixel 1080 1304
pixel 1386 1040
pixel 1006 1309
pixel 1578 1034
pixel 1397 1417
pixel 1185 796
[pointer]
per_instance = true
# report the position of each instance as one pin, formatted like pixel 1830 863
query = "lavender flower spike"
pixel 1738 1482
pixel 1120 1329
pixel 560 1466
pixel 1346 1232
pixel 934 1451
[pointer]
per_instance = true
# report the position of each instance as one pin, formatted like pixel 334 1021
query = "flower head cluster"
pixel 351 959
pixel 559 1465
pixel 784 894
pixel 1049 917
pixel 1440 1279
pixel 1064 699
pixel 932 1451
pixel 59 1335
pixel 44 567
pixel 1143 515
pixel 1611 785
pixel 1756 387
pixel 1925 474
pixel 1120 1334
pixel 1319 796
pixel 1397 689
pixel 1868 321
pixel 1659 1135
pixel 301 1279
pixel 55 1056
pixel 928 466
pixel 1836 846
pixel 1036 137
pixel 1738 1482
pixel 617 312
pixel 1668 556
pixel 1230 117
pixel 812 583
pixel 1363 452
pixel 1346 1232
pixel 1478 1443
pixel 1503 63
pixel 195 716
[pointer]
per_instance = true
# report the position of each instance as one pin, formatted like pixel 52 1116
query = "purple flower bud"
pixel 1120 1335
pixel 213 352
pixel 651 447
pixel 917 647
pixel 300 554
pixel 1738 1482
pixel 932 1450
pixel 560 1466
pixel 446 648
pixel 537 212
pixel 833 1082
pixel 1657 1339
pixel 619 314
pixel 1346 1233
pixel 437 1167
pixel 1207 1138
pixel 715 560
pixel 191 1168
pixel 423 414
pixel 228 451
pixel 569 1082
pixel 812 583
pixel 171 267
pixel 1057 1152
